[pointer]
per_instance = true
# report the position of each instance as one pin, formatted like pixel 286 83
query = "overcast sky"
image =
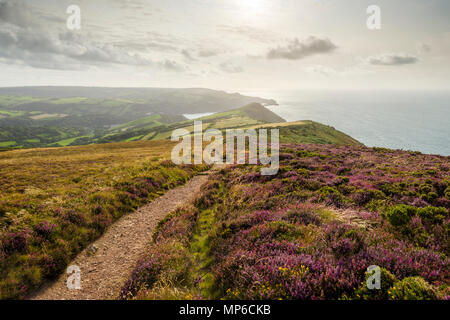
pixel 226 44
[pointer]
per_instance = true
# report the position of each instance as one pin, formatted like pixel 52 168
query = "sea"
pixel 406 120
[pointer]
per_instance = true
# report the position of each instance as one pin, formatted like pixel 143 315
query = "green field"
pixel 59 116
pixel 160 127
pixel 253 116
pixel 7 143
pixel 35 117
pixel 12 113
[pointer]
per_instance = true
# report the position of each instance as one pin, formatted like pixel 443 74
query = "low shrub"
pixel 387 280
pixel 400 215
pixel 168 262
pixel 412 288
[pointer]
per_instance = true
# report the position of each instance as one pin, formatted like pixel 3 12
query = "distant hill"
pixel 161 126
pixel 152 129
pixel 310 132
pixel 58 116
pixel 251 116
pixel 254 111
pixel 33 117
pixel 124 101
pixel 150 122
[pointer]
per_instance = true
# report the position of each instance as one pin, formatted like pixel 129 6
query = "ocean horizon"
pixel 406 120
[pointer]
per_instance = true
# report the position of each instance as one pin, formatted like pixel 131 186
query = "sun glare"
pixel 252 7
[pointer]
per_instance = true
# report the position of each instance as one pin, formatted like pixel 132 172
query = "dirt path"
pixel 103 273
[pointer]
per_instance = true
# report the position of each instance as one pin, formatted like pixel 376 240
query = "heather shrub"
pixel 312 231
pixel 100 222
pixel 433 214
pixel 74 217
pixel 167 291
pixel 447 193
pixel 55 261
pixel 44 230
pixel 425 227
pixel 279 231
pixel 363 197
pixel 285 156
pixel 412 288
pixel 303 215
pixel 168 261
pixel 178 225
pixel 247 221
pixel 207 196
pixel 387 281
pixel 416 232
pixel 13 242
pixel 343 240
pixel 307 154
pixel 55 218
pixel 331 196
pixel 400 215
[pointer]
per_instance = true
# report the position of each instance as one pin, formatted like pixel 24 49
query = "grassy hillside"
pixel 33 117
pixel 30 121
pixel 194 100
pixel 309 132
pixel 53 202
pixel 149 129
pixel 99 107
pixel 251 112
pixel 309 232
pixel 252 116
pixel 149 122
pixel 32 137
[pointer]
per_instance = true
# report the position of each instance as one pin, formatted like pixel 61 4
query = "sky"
pixel 227 44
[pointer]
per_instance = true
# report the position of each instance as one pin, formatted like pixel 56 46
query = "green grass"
pixel 253 116
pixel 68 100
pixel 66 142
pixel 12 113
pixel 13 101
pixel 200 251
pixel 310 132
pixel 7 143
pixel 147 122
pixel 34 137
pixel 134 138
pixel 157 127
pixel 153 127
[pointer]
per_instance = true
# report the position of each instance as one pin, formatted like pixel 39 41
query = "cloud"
pixel 230 67
pixel 249 32
pixel 323 70
pixel 48 49
pixel 136 5
pixel 151 40
pixel 296 49
pixel 423 48
pixel 16 13
pixel 391 59
pixel 187 55
pixel 208 53
pixel 70 49
pixel 354 70
pixel 171 65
